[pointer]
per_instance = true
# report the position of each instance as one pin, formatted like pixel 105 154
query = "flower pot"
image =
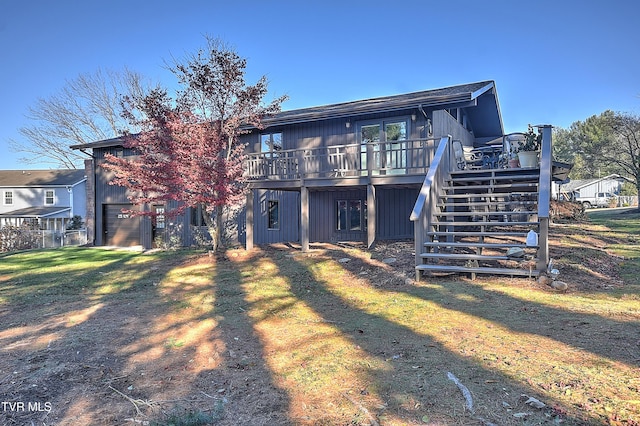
pixel 528 159
pixel 514 163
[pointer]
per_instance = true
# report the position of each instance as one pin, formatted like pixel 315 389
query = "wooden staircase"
pixel 480 224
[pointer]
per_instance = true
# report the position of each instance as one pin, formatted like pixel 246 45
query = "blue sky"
pixel 554 62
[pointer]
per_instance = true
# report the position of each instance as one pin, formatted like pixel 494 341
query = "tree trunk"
pixel 211 220
pixel 219 226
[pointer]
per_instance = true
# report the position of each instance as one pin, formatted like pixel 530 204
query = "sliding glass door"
pixel 386 140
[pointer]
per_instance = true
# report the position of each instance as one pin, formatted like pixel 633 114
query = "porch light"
pixel 347 124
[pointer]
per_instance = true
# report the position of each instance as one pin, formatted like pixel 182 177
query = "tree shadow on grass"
pixel 413 386
pixel 243 379
pixel 53 326
pixel 132 340
pixel 597 334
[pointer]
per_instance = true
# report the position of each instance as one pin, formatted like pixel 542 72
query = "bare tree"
pixel 87 109
pixel 607 143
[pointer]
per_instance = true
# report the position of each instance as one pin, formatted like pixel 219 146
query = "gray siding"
pixel 330 132
pixel 323 216
pixel 112 194
pixel 394 207
pixel 444 124
pixel 289 217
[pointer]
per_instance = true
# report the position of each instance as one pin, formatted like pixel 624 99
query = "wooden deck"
pixel 384 163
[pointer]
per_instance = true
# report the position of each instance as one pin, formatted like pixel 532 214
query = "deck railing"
pixel 343 161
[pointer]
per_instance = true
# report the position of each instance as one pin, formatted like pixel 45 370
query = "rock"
pixel 559 285
pixel 544 279
pixel 516 252
pixel 389 260
pixel 344 260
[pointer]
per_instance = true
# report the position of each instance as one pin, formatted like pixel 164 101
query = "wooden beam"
pixel 249 221
pixel 371 215
pixel 304 218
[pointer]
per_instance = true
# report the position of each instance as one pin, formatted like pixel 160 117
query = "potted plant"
pixel 529 149
pixel 514 163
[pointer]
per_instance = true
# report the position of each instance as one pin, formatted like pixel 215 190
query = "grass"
pixel 623 227
pixel 280 337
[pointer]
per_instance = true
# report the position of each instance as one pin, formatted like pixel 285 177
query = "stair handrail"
pixel 422 217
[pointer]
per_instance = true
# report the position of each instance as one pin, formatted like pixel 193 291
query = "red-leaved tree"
pixel 188 154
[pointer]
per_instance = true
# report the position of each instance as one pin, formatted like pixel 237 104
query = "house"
pixel 358 171
pixel 47 199
pixel 589 188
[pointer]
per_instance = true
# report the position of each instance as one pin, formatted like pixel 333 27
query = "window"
pixel 351 215
pixel 8 198
pixel 49 197
pixel 273 215
pixel 271 143
pixel 385 140
pixel 159 218
pixel 197 216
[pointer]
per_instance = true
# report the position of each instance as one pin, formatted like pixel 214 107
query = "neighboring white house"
pixel 47 199
pixel 591 192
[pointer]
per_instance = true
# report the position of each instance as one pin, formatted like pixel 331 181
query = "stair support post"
pixel 371 215
pixel 543 244
pixel 304 218
pixel 544 198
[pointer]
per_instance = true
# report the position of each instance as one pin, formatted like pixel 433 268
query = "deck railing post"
pixel 544 197
pixel 369 159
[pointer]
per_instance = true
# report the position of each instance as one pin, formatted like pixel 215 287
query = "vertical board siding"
pixel 289 217
pixel 444 124
pixel 393 210
pixel 323 216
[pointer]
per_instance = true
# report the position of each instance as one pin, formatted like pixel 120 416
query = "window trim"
pixel 269 142
pixel 4 198
pixel 196 218
pixel 46 197
pixel 379 157
pixel 348 220
pixel 270 223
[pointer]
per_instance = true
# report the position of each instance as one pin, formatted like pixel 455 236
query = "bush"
pixel 75 223
pixel 14 238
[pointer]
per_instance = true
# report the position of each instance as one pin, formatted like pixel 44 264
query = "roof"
pixel 577 184
pixel 40 178
pixel 485 116
pixel 36 212
pixel 443 98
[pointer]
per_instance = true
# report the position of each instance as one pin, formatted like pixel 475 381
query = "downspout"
pixel 422 111
pixel 70 191
pixel 429 130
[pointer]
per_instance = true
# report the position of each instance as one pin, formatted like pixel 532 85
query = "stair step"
pixel 487 194
pixel 506 203
pixel 483 213
pixel 511 186
pixel 476 234
pixel 497 172
pixel 466 244
pixel 478 270
pixel 483 223
pixel 465 256
pixel 472 179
